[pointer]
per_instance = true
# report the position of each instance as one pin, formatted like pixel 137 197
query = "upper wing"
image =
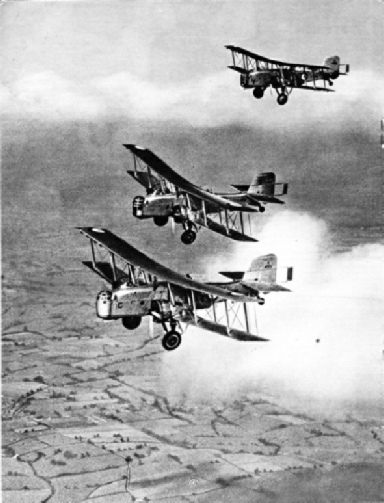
pixel 258 57
pixel 165 171
pixel 128 253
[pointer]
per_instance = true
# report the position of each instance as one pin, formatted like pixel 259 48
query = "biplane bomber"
pixel 142 287
pixel 169 196
pixel 259 73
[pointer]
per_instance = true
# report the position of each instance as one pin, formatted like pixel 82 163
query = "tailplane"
pixel 262 275
pixel 333 63
pixel 264 188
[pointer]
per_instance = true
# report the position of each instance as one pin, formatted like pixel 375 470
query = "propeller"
pixel 173 226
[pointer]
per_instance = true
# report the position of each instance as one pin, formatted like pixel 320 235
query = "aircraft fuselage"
pixel 127 300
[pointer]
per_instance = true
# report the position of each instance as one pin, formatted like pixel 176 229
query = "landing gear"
pixel 160 221
pixel 188 236
pixel 282 99
pixel 171 340
pixel 131 322
pixel 260 301
pixel 258 92
pixel 261 209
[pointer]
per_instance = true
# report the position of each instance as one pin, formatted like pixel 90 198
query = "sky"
pixel 80 78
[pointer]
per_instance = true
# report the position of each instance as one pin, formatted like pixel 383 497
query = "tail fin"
pixel 265 185
pixel 263 272
pixel 333 63
pixel 262 269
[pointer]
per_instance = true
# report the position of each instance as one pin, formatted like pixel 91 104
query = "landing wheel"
pixel 261 301
pixel 160 221
pixel 258 92
pixel 171 340
pixel 282 99
pixel 261 209
pixel 188 237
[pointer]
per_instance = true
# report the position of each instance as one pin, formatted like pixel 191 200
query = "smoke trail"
pixel 325 353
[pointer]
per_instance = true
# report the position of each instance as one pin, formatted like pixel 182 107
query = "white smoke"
pixel 325 353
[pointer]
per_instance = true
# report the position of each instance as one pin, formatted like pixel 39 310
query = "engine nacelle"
pixel 104 305
pixel 138 206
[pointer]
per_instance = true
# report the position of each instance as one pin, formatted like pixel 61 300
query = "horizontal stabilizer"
pixel 234 275
pixel 241 188
pixel 239 335
pixel 264 199
pixel 264 287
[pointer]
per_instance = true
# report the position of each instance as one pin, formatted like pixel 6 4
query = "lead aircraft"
pixel 169 196
pixel 258 73
pixel 142 287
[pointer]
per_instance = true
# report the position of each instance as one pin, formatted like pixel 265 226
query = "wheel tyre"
pixel 282 99
pixel 160 221
pixel 261 302
pixel 261 209
pixel 171 340
pixel 188 237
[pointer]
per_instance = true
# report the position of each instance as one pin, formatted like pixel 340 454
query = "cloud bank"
pixel 212 100
pixel 325 354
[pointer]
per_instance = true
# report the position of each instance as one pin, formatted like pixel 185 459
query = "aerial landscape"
pixel 92 412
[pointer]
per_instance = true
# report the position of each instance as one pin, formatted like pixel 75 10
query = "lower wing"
pixel 233 333
pixel 223 230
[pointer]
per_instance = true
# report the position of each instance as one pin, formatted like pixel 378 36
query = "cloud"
pixel 325 349
pixel 49 96
pixel 211 100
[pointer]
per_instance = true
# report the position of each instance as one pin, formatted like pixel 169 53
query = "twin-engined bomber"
pixel 259 73
pixel 142 287
pixel 169 196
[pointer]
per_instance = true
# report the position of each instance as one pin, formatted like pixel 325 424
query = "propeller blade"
pixel 173 226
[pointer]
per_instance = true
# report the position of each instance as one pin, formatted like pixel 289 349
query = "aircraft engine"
pixel 138 206
pixel 104 305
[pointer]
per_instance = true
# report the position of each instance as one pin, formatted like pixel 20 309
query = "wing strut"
pixel 93 253
pixel 113 265
pixel 227 316
pixel 171 296
pixel 214 310
pixel 242 222
pixel 204 213
pixel 246 317
pixel 226 221
pixel 194 305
